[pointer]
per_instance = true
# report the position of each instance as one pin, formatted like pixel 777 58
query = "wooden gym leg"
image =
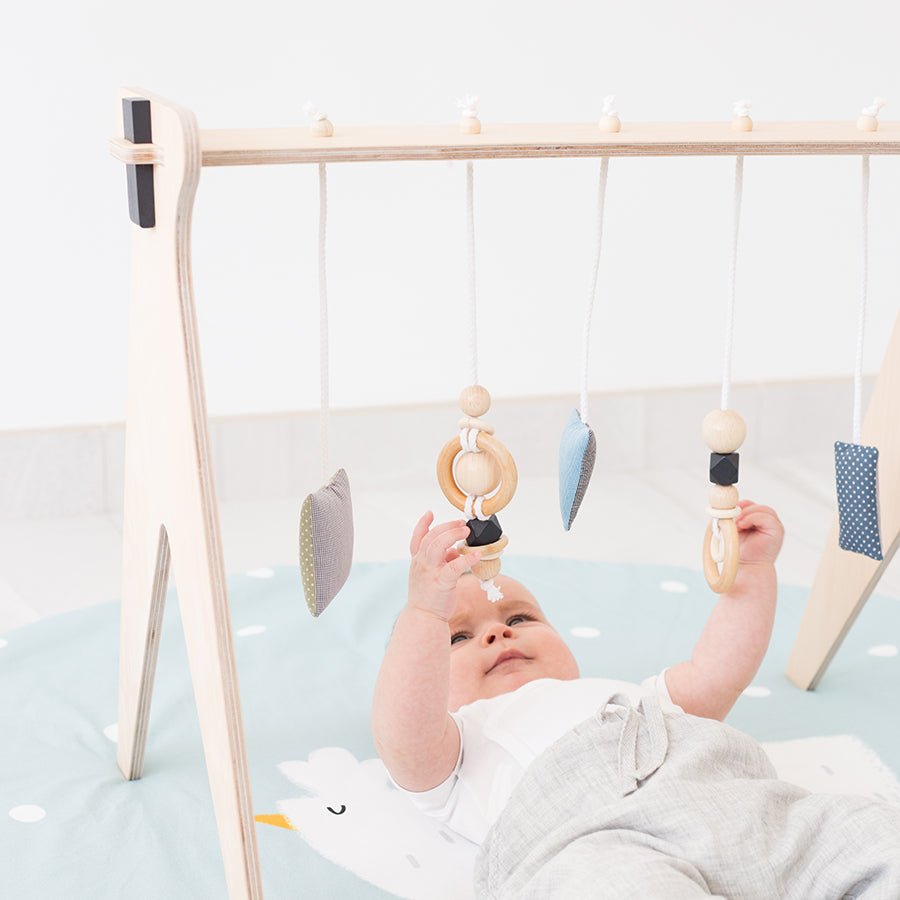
pixel 170 502
pixel 845 580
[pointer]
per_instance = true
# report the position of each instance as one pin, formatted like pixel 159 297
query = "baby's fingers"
pixel 419 532
pixel 459 566
pixel 761 517
pixel 441 540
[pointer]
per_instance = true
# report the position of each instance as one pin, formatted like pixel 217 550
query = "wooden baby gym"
pixel 171 513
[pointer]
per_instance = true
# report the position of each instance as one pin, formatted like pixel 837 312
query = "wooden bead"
pixel 723 496
pixel 490 568
pixel 475 400
pixel 322 128
pixel 469 125
pixel 479 424
pixel 724 430
pixel 476 474
pixel 867 123
pixel 742 123
pixel 610 124
pixel 489 551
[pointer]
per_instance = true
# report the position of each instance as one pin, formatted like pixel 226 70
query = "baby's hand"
pixel 437 565
pixel 760 533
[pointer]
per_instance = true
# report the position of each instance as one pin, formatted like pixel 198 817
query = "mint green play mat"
pixel 71 826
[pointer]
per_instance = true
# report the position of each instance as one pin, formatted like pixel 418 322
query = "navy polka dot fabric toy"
pixel 856 468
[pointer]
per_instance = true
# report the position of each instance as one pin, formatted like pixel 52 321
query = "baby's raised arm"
pixel 736 636
pixel 414 734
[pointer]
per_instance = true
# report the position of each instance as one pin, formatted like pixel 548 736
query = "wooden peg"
pixel 609 121
pixel 867 123
pixel 321 128
pixel 868 117
pixel 610 124
pixel 470 125
pixel 741 120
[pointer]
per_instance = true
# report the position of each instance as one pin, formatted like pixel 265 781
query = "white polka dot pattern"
pixel 856 468
pixel 673 587
pixel 28 813
pixel 585 631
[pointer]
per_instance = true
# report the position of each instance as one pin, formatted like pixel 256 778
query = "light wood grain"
pixel 721 582
pixel 509 476
pixel 264 146
pixel 135 154
pixel 170 504
pixel 845 580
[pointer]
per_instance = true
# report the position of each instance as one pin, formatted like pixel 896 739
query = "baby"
pixel 472 693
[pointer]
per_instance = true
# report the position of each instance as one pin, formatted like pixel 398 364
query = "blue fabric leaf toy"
pixel 577 451
pixel 856 471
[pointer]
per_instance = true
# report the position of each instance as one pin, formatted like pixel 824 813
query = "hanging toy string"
pixel 601 203
pixel 470 231
pixel 861 326
pixel 323 319
pixel 322 126
pixel 729 326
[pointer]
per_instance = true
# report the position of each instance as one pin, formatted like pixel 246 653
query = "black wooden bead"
pixel 723 468
pixel 482 533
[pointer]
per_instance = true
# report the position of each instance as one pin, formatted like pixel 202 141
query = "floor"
pixel 53 565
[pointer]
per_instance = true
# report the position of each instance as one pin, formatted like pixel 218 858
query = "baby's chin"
pixel 495 684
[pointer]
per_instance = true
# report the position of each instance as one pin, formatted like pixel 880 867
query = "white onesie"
pixel 501 736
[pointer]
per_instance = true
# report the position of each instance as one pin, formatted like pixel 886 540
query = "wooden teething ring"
pixel 721 582
pixel 509 476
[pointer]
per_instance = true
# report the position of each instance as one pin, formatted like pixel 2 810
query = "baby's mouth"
pixel 505 657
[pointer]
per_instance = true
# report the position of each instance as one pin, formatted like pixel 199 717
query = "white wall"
pixel 397 262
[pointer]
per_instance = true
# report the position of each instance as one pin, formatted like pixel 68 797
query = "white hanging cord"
pixel 874 108
pixel 729 326
pixel 468 106
pixel 470 230
pixel 861 327
pixel 601 203
pixel 323 320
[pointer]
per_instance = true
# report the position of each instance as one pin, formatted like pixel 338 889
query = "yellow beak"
pixel 276 819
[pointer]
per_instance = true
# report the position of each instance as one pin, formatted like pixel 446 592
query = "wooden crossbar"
pixel 264 146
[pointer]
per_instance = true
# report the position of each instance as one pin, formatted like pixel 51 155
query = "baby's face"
pixel 483 634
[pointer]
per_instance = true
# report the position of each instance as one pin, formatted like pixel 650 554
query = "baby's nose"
pixel 495 631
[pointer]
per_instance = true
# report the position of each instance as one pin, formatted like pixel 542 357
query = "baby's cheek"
pixel 463 678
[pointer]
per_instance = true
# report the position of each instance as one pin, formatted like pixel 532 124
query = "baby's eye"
pixel 459 634
pixel 513 620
